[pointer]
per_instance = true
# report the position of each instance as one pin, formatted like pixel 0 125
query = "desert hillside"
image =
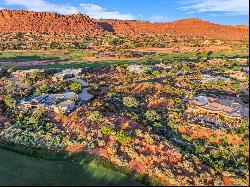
pixel 39 22
pixel 28 21
pixel 185 27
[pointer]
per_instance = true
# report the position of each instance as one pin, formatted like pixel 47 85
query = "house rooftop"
pixel 226 106
pixel 65 104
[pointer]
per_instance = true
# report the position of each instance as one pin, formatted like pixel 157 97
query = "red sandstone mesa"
pixel 40 22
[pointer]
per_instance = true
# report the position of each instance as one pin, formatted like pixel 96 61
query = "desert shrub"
pixel 101 143
pixel 130 150
pixel 120 161
pixel 122 137
pixel 90 145
pixel 243 127
pixel 32 131
pixel 80 138
pixel 95 116
pixel 130 102
pixel 139 133
pixel 75 87
pixel 107 130
pixel 9 102
pixel 11 70
pixel 148 138
pixel 155 124
pixel 43 89
pixel 112 149
pixel 236 68
pixel 152 115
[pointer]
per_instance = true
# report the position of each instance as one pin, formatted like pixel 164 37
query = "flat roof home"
pixel 216 61
pixel 69 95
pixel 137 68
pixel 32 101
pixel 25 73
pixel 209 78
pixel 67 73
pixel 65 106
pixel 242 60
pixel 245 69
pixel 163 66
pixel 212 108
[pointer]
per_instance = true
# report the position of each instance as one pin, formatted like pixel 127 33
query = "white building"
pixel 65 106
pixel 66 74
pixel 137 68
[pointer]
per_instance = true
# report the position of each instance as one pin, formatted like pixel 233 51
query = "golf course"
pixel 19 169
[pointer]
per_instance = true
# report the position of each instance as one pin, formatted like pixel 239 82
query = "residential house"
pixel 213 110
pixel 216 61
pixel 241 60
pixel 137 68
pixel 25 73
pixel 66 74
pixel 35 101
pixel 162 66
pixel 245 69
pixel 209 78
pixel 65 106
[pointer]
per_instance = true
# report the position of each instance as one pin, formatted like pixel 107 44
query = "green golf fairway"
pixel 18 169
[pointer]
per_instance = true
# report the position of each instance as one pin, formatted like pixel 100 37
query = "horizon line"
pixel 188 18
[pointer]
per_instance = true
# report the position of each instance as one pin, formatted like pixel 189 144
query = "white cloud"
pixel 94 11
pixel 234 7
pixel 43 6
pixel 157 18
pixel 98 12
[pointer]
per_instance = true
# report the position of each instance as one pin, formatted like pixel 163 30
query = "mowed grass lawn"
pixel 18 169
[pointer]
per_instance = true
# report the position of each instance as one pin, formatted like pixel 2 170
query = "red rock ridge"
pixel 40 22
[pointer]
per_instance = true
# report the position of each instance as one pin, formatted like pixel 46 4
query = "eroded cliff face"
pixel 28 21
pixel 39 22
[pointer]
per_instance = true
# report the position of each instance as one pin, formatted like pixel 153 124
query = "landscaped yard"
pixel 18 169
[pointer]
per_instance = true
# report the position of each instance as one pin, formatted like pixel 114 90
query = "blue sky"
pixel 229 12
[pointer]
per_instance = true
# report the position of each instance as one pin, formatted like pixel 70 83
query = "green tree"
pixel 10 102
pixel 152 115
pixel 95 116
pixel 43 89
pixel 107 130
pixel 122 137
pixel 75 87
pixel 130 102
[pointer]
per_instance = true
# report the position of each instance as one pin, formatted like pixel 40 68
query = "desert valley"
pixel 87 101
